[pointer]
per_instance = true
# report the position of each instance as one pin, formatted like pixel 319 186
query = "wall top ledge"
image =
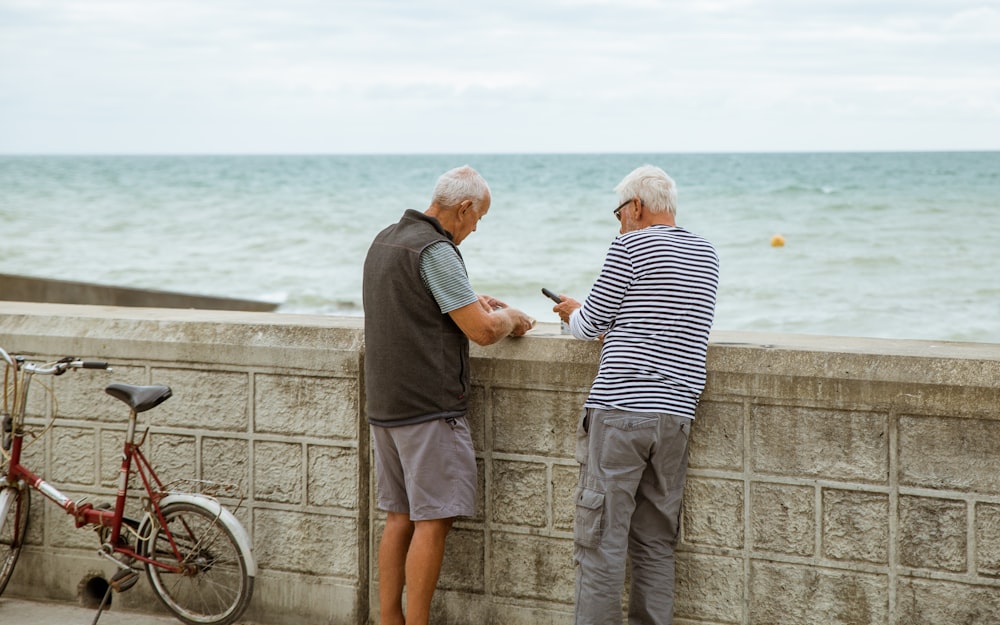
pixel 856 345
pixel 544 343
pixel 188 315
pixel 186 335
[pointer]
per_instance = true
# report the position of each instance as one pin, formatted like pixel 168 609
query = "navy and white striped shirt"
pixel 654 302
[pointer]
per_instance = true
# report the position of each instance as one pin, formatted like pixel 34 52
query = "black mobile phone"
pixel 552 296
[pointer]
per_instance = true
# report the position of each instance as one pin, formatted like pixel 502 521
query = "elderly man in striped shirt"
pixel 653 305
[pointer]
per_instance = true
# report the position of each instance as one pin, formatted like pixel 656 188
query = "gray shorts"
pixel 427 470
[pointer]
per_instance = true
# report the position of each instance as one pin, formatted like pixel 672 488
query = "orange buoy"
pixel 777 241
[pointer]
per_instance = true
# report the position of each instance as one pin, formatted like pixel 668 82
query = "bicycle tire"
pixel 216 588
pixel 15 528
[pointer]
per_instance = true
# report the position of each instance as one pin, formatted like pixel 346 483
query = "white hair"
pixel 460 184
pixel 654 188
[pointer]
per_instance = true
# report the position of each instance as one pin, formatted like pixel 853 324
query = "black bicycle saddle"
pixel 139 398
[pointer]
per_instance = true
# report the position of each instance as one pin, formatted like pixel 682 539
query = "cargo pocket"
pixel 589 517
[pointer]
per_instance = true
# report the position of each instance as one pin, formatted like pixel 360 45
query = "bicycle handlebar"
pixel 54 368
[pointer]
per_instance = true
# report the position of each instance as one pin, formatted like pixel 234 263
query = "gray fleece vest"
pixel 416 358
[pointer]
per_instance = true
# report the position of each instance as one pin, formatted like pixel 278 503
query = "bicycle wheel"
pixel 15 527
pixel 213 588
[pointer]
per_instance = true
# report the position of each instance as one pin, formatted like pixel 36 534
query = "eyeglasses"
pixel 618 211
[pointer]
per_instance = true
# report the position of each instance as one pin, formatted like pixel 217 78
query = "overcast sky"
pixel 441 76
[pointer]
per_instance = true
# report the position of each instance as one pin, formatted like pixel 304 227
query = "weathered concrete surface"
pixel 49 291
pixel 833 480
pixel 39 612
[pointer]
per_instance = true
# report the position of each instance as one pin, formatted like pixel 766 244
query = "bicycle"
pixel 196 554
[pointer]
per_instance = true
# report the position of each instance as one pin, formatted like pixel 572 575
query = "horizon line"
pixel 501 153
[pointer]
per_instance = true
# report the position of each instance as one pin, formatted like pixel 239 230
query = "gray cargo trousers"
pixel 628 503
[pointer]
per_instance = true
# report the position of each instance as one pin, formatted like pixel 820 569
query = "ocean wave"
pixel 802 189
pixel 902 237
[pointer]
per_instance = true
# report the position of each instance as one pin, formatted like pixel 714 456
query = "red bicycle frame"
pixel 85 514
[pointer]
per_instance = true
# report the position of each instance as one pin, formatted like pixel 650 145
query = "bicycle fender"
pixel 6 497
pixel 223 514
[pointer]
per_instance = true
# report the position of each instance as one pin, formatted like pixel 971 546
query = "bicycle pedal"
pixel 124 579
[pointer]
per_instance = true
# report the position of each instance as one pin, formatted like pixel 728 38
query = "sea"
pixel 883 244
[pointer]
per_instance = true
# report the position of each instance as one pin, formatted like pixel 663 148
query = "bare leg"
pixel 423 566
pixel 392 554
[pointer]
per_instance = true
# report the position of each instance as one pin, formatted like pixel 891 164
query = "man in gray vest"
pixel 420 312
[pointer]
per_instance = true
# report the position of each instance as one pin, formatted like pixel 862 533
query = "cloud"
pixel 96 75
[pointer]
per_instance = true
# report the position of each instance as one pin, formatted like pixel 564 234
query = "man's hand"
pixel 522 322
pixel 566 307
pixel 490 303
pixel 489 320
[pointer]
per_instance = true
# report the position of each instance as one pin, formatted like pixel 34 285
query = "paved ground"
pixel 23 612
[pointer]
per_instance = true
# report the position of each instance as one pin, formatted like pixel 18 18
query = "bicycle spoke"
pixel 213 586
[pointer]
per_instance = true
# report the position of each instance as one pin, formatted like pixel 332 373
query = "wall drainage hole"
pixel 92 590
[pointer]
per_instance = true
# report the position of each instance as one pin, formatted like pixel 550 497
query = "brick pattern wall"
pixel 860 492
pixel 282 424
pixel 832 480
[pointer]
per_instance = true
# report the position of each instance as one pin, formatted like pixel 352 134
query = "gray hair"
pixel 460 184
pixel 654 188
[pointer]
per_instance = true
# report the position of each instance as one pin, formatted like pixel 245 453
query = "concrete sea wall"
pixel 832 480
pixel 51 291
